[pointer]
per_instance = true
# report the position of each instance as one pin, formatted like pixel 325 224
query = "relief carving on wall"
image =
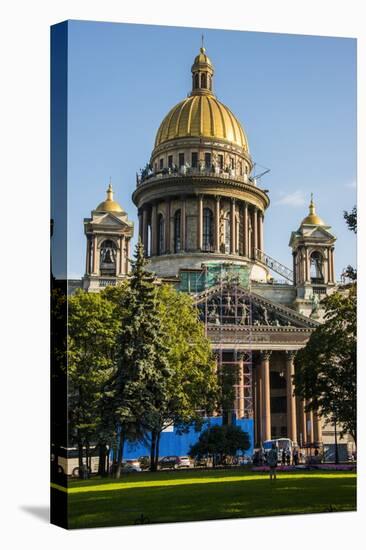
pixel 233 308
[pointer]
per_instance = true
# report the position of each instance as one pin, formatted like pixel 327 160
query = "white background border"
pixel 24 188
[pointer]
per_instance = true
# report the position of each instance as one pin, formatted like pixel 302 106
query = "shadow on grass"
pixel 194 502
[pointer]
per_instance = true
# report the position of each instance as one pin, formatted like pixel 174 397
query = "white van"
pixel 282 443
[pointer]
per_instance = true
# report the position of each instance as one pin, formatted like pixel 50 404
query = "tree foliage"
pixel 191 390
pixel 138 361
pixel 325 370
pixel 140 383
pixel 351 219
pixel 92 330
pixel 220 441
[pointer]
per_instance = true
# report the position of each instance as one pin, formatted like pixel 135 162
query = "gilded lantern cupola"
pixel 202 74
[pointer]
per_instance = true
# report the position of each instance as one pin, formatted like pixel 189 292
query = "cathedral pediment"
pixel 111 220
pixel 320 233
pixel 231 304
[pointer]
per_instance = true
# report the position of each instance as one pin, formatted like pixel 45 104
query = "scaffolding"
pixel 225 309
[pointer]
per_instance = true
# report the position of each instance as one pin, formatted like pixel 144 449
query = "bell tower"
pixel 313 261
pixel 108 234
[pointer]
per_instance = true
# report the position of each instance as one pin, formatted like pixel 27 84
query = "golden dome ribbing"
pixel 202 114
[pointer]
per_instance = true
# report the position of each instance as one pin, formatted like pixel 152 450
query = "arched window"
pixel 177 231
pixel 227 232
pixel 316 267
pixel 108 254
pixel 207 241
pixel 203 81
pixel 161 231
pixel 196 81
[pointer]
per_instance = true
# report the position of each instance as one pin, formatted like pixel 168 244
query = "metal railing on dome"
pixel 273 264
pixel 148 175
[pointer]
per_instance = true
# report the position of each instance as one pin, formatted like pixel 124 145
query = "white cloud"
pixel 296 198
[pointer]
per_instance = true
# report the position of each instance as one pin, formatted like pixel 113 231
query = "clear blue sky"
pixel 295 96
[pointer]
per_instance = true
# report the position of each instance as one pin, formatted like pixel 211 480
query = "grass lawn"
pixel 202 495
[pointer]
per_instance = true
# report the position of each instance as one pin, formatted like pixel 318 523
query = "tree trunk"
pixel 336 443
pixel 80 458
pixel 102 459
pixel 157 449
pixel 87 460
pixel 153 465
pixel 120 456
pixel 108 452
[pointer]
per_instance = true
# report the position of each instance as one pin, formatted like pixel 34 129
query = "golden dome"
pixel 202 114
pixel 109 205
pixel 202 58
pixel 312 218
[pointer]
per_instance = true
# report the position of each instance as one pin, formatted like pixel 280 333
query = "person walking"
pixel 288 457
pixel 272 460
pixel 283 457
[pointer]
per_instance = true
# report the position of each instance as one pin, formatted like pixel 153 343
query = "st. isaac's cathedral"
pixel 201 221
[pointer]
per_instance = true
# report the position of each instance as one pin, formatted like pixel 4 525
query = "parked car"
pixel 169 462
pixel 203 462
pixel 144 462
pixel 131 466
pixel 184 462
pixel 244 460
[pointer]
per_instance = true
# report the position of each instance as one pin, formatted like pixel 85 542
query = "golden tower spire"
pixel 312 218
pixel 110 191
pixel 311 206
pixel 109 204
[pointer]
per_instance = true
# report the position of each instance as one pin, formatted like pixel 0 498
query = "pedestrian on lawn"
pixel 272 460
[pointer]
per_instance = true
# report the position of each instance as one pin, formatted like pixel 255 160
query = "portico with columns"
pixel 258 339
pixel 292 420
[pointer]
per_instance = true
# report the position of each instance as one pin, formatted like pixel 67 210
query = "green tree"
pixel 351 219
pixel 92 330
pixel 140 384
pixel 191 391
pixel 220 441
pixel 325 370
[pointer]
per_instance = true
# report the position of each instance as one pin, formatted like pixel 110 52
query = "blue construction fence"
pixel 178 444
